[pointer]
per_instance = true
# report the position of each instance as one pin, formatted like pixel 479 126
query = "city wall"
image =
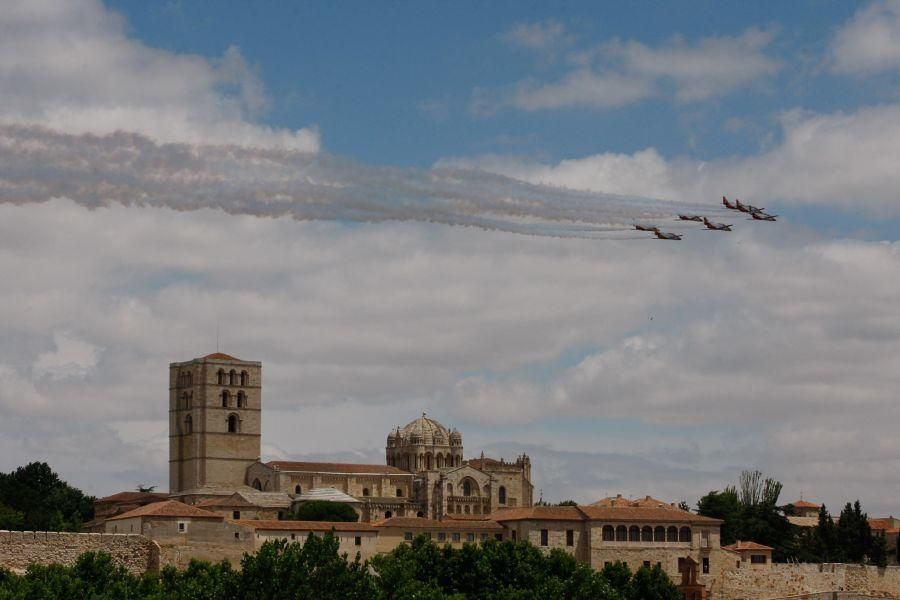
pixel 18 549
pixel 808 581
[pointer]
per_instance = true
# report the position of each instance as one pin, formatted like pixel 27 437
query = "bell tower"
pixel 215 407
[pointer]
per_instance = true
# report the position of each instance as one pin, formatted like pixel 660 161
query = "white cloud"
pixel 541 35
pixel 73 357
pixel 70 65
pixel 618 73
pixel 869 42
pixel 846 160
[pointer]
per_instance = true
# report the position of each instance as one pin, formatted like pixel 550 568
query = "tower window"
pixel 232 377
pixel 365 491
pixel 220 378
pixel 245 378
pixel 188 424
pixel 232 424
pixel 226 398
pixel 399 492
pixel 241 399
pixel 467 488
pixel 297 489
pixel 501 495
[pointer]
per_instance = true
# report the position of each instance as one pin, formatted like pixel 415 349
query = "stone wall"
pixel 18 549
pixel 807 580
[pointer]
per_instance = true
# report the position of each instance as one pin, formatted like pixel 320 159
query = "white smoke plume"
pixel 38 164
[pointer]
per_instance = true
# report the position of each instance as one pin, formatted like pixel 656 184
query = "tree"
pixel 725 506
pixel 653 584
pixel 45 502
pixel 323 510
pixel 11 519
pixel 619 577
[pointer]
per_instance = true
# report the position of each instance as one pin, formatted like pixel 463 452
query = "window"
pixel 220 379
pixel 182 527
pixel 647 563
pixel 245 378
pixel 484 537
pixel 298 490
pixel 470 537
pixel 634 533
pixel 514 536
pixel 456 536
pixel 501 495
pixel 672 534
pixel 365 491
pixel 241 399
pixel 498 537
pixel 232 377
pixel 757 559
pixel 570 537
pixel 607 564
pixel 232 424
pixel 684 534
pixel 236 515
pixel 388 514
pixel 706 564
pixel 237 535
pixel 357 541
pixel 257 485
pixel 680 564
pixel 659 534
pixel 609 534
pixel 188 424
pixel 647 534
pixel 467 488
pixel 226 398
pixel 407 536
pixel 545 537
pixel 621 533
pixel 420 514
pixel 442 536
pixel 399 492
pixel 293 536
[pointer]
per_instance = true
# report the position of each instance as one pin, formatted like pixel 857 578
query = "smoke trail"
pixel 37 164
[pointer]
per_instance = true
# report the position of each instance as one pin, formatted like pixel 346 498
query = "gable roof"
pixel 619 500
pixel 432 524
pixel 741 545
pixel 539 513
pixel 805 504
pixel 343 468
pixel 131 497
pixel 219 356
pixel 236 500
pixel 664 514
pixel 273 525
pixel 329 494
pixel 169 508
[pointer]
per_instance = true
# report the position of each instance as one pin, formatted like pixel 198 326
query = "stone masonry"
pixel 18 549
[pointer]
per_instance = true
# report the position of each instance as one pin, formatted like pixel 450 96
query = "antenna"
pixel 217 334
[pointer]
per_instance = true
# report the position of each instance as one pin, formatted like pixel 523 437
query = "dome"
pixel 425 431
pixel 455 436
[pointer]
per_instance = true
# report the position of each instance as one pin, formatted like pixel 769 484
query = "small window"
pixel 467 488
pixel 357 541
pixel 757 559
pixel 706 564
pixel 501 495
pixel 226 398
pixel 514 536
pixel 570 537
pixel 236 515
pixel 442 536
pixel 470 537
pixel 365 491
pixel 245 378
pixel 484 537
pixel 182 527
pixel 545 537
pixel 399 492
pixel 647 563
pixel 298 490
pixel 420 514
pixel 241 400
pixel 237 535
pixel 232 377
pixel 498 537
pixel 388 514
pixel 221 377
pixel 428 535
pixel 293 536
pixel 408 536
pixel 456 536
pixel 188 424
pixel 232 424
pixel 609 534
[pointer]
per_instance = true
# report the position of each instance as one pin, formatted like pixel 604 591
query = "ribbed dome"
pixel 425 431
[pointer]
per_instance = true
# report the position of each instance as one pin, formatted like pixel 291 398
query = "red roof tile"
pixel 324 467
pixel 539 513
pixel 739 546
pixel 666 514
pixel 132 497
pixel 219 356
pixel 805 504
pixel 169 508
pixel 273 525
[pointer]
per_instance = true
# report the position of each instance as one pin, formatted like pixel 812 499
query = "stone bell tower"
pixel 215 405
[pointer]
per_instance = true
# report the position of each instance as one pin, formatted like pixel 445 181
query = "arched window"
pixel 647 534
pixel 672 534
pixel 245 378
pixel 659 534
pixel 449 508
pixel 428 462
pixel 634 533
pixel 621 533
pixel 232 424
pixel 226 398
pixel 476 510
pixel 501 495
pixel 221 377
pixel 232 377
pixel 399 492
pixel 188 424
pixel 467 509
pixel 420 514
pixel 190 378
pixel 184 400
pixel 467 488
pixel 257 485
pixel 609 534
pixel 365 491
pixel 298 490
pixel 388 514
pixel 684 534
pixel 440 461
pixel 241 399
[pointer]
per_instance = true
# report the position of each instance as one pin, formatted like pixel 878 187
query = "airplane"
pixel 662 235
pixel 645 228
pixel 697 218
pixel 728 204
pixel 716 226
pixel 761 216
pixel 741 207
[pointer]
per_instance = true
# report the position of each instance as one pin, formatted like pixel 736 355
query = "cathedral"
pixel 215 434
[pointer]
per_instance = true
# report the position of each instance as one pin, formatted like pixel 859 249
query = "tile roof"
pixel 740 545
pixel 169 508
pixel 803 521
pixel 805 504
pixel 234 501
pixel 344 468
pixel 883 524
pixel 130 497
pixel 540 513
pixel 273 525
pixel 619 500
pixel 432 524
pixel 328 494
pixel 219 356
pixel 666 514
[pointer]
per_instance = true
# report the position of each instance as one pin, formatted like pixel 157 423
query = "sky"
pixel 408 207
